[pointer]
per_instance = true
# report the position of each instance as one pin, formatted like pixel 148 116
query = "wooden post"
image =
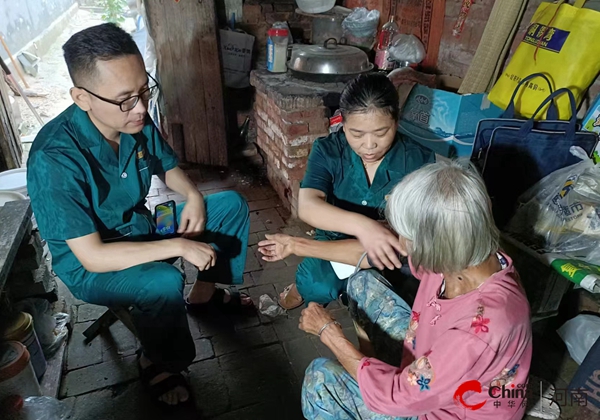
pixel 189 69
pixel 10 141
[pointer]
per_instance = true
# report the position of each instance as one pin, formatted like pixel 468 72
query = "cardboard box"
pixel 591 122
pixel 443 121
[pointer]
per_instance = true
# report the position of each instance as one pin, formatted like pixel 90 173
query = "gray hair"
pixel 444 212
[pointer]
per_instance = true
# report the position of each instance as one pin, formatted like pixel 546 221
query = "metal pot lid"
pixel 331 58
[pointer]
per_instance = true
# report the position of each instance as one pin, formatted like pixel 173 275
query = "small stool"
pixel 107 319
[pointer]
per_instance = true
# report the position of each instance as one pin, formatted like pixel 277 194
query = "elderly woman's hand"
pixel 382 245
pixel 314 317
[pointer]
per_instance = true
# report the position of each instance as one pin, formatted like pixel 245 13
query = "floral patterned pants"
pixel 329 392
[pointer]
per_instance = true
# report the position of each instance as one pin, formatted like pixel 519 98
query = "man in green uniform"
pixel 89 172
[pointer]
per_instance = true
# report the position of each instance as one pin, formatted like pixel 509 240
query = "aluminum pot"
pixel 328 63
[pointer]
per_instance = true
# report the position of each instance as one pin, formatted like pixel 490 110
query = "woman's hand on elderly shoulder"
pixel 313 318
pixel 381 245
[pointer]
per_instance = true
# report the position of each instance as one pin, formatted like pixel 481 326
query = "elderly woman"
pixel 467 335
pixel 348 177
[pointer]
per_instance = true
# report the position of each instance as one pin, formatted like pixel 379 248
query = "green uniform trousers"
pixel 155 289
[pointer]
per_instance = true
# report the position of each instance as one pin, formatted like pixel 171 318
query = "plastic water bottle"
pixel 386 35
pixel 35 408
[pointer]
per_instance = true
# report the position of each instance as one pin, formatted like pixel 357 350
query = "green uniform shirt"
pixel 78 185
pixel 335 169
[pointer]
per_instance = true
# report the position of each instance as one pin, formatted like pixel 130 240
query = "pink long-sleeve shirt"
pixel 482 336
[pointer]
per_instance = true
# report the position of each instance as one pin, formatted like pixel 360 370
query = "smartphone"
pixel 166 218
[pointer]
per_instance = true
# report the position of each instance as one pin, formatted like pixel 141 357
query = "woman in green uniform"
pixel 347 180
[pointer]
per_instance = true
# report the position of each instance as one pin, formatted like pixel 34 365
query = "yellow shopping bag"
pixel 562 43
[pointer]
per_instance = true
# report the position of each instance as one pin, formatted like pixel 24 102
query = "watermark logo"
pixel 469 386
pixel 515 394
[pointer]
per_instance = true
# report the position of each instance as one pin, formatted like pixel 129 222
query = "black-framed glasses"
pixel 131 102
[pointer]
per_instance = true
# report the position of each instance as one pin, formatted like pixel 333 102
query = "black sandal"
pixel 234 306
pixel 161 388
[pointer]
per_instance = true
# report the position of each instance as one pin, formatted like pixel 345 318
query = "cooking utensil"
pixel 328 63
pixel 315 6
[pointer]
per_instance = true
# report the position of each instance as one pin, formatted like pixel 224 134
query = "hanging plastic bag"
pixel 561 213
pixel 360 27
pixel 407 49
pixel 580 334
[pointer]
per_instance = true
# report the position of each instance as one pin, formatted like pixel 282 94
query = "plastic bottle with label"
pixel 277 46
pixel 386 35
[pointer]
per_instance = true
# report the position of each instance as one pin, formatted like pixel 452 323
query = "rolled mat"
pixel 494 45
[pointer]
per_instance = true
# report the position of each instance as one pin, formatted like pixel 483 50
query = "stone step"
pixel 50 383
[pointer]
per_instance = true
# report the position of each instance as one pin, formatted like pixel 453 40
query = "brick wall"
pixel 286 127
pixel 259 15
pixel 456 54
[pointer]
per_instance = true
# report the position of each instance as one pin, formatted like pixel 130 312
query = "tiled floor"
pixel 246 368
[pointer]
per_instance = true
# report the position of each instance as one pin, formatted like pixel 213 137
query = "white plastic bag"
pixel 362 22
pixel 407 49
pixel 51 328
pixel 360 27
pixel 267 306
pixel 236 54
pixel 580 334
pixel 561 213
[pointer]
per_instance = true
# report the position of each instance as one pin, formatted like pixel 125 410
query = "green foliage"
pixel 114 10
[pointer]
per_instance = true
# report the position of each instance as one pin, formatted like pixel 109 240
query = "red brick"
pixel 298 141
pixel 293 131
pixel 293 163
pixel 318 126
pixel 268 131
pixel 261 136
pixel 296 174
pixel 277 131
pixel 273 110
pixel 304 115
pixel 319 112
pixel 291 117
pixel 252 13
pixel 297 152
pixel 267 8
